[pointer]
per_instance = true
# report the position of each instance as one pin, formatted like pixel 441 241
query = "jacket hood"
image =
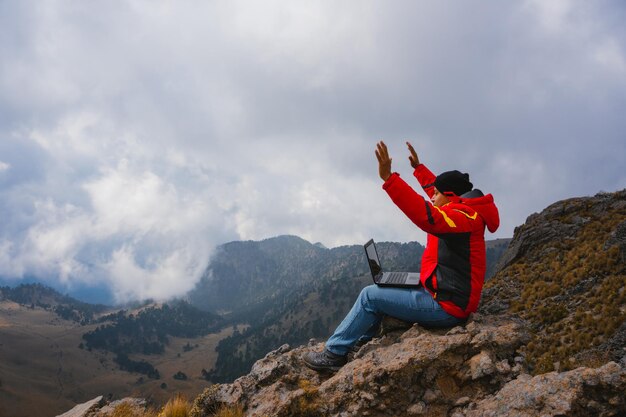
pixel 486 208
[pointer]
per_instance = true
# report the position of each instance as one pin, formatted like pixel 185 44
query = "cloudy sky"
pixel 135 136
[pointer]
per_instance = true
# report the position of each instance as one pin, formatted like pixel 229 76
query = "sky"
pixel 136 136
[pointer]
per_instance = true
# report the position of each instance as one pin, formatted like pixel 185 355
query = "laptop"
pixel 388 279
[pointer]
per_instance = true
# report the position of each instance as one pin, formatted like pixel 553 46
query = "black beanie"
pixel 453 181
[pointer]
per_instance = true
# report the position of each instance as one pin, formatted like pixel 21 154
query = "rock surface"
pixel 468 371
pixel 81 409
pixel 131 407
pixel 541 228
pixel 581 392
pixel 99 407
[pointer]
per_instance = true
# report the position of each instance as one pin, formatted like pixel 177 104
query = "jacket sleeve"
pixel 426 179
pixel 423 213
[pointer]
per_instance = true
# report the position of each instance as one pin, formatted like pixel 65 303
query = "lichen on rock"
pixel 405 372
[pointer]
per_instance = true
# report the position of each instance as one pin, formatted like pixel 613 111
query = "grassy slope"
pixel 571 289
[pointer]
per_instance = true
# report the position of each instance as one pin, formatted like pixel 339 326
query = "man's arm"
pixel 420 211
pixel 423 213
pixel 426 179
pixel 423 174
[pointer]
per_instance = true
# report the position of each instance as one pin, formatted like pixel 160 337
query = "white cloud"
pixel 159 277
pixel 123 200
pixel 610 54
pixel 136 232
pixel 552 15
pixel 4 166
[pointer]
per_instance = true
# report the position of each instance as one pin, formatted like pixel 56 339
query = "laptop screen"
pixel 372 258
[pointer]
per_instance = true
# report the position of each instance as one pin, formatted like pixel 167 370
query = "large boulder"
pixel 416 371
pixel 581 392
pixel 468 371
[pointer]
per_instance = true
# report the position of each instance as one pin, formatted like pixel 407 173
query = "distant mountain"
pixel 38 295
pixel 242 275
pixel 245 273
pixel 86 292
pixel 494 251
pixel 565 273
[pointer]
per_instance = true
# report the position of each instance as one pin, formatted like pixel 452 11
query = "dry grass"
pixel 176 407
pixel 306 405
pixel 570 323
pixel 129 410
pixel 230 411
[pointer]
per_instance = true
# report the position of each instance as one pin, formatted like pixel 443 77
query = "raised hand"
pixel 413 159
pixel 384 161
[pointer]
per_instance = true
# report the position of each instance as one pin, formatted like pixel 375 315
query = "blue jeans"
pixel 374 302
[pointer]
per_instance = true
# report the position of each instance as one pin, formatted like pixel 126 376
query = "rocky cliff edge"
pixel 475 370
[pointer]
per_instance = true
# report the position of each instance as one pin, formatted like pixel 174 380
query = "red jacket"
pixel 454 262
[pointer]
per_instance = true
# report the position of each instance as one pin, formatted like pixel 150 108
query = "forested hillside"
pixel 148 331
pixel 242 275
pixel 38 295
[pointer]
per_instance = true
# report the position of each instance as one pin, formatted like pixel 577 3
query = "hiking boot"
pixel 324 361
pixel 355 349
pixel 358 345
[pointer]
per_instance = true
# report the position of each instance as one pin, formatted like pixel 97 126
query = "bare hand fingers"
pixel 379 152
pixel 411 149
pixel 378 156
pixel 382 149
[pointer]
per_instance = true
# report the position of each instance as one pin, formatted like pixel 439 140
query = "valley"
pixel 44 372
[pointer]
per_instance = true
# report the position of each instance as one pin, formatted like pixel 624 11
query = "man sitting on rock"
pixel 453 263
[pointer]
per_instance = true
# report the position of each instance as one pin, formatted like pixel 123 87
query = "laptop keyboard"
pixel 396 277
